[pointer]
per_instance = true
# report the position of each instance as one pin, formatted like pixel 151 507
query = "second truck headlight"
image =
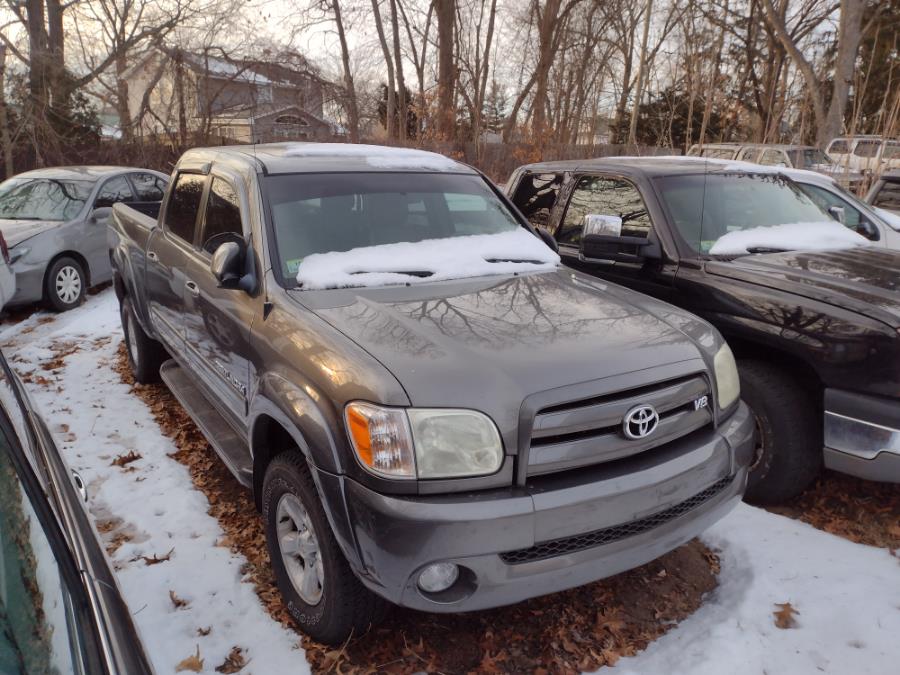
pixel 424 442
pixel 728 383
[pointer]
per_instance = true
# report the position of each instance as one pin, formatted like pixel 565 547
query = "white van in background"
pixel 873 154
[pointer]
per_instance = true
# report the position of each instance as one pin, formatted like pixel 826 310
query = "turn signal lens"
pixel 381 439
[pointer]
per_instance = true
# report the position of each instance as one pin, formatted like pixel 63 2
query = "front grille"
pixel 589 430
pixel 581 542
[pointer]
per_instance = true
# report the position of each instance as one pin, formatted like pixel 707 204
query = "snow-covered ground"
pixel 152 500
pixel 846 595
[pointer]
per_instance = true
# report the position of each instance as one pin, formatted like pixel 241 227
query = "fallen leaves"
pixel 193 663
pixel 784 615
pixel 125 459
pixel 179 603
pixel 155 559
pixel 203 632
pixel 859 510
pixel 234 662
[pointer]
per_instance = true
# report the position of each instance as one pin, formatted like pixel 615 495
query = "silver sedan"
pixel 55 221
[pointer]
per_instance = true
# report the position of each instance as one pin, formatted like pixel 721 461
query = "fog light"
pixel 438 577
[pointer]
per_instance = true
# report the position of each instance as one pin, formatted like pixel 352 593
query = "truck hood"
pixel 17 231
pixel 863 280
pixel 489 342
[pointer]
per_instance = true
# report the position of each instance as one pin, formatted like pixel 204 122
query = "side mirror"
pixel 602 241
pixel 838 213
pixel 101 214
pixel 227 264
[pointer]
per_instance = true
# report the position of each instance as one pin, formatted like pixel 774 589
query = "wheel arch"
pixel 75 255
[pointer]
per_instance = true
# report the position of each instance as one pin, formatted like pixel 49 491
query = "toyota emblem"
pixel 640 422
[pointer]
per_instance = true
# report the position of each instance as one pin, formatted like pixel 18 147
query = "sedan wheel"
pixel 65 284
pixel 68 284
pixel 299 549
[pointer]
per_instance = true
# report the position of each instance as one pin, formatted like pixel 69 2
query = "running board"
pixel 232 450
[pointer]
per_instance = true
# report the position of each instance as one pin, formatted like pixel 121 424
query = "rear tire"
pixel 64 284
pixel 336 604
pixel 789 452
pixel 145 355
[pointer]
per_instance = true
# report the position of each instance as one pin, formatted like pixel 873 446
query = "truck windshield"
pixel 729 214
pixel 326 213
pixel 43 198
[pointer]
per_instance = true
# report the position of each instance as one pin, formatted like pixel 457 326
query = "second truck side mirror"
pixel 227 264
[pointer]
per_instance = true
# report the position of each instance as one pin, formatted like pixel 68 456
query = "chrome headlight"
pixel 17 253
pixel 423 442
pixel 728 383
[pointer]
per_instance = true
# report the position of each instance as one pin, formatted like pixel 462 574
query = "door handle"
pixel 152 255
pixel 193 288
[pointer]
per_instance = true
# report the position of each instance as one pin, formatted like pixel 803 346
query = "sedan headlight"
pixel 423 442
pixel 728 383
pixel 17 253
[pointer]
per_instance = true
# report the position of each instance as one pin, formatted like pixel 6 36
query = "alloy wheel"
pixel 299 549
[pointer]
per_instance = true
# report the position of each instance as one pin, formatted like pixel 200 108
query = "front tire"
pixel 145 355
pixel 321 592
pixel 789 454
pixel 65 284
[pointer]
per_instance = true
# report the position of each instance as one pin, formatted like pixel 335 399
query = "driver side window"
pixel 825 199
pixel 223 216
pixel 608 197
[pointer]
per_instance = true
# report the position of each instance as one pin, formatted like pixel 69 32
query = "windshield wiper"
pixel 512 260
pixel 766 249
pixel 422 274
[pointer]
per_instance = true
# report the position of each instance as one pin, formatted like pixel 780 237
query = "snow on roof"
pixel 428 260
pixel 813 236
pixel 375 155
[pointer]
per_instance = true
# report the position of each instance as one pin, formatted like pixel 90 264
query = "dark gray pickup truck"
pixel 428 408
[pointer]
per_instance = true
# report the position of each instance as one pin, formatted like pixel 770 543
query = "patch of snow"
pixel 821 236
pixel 847 598
pixel 889 217
pixel 94 417
pixel 450 258
pixel 379 156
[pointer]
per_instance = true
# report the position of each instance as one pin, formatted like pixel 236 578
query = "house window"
pixel 288 126
pixel 293 120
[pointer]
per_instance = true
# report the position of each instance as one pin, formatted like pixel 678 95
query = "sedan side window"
pixel 773 158
pixel 181 213
pixel 223 216
pixel 606 197
pixel 37 624
pixel 115 190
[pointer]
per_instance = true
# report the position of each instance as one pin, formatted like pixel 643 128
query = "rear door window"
pixel 184 204
pixel 608 197
pixel 839 147
pixel 535 196
pixel 149 188
pixel 222 219
pixel 114 190
pixel 867 148
pixel 773 158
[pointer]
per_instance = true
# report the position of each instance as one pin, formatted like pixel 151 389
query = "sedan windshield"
pixel 740 213
pixel 314 215
pixel 43 198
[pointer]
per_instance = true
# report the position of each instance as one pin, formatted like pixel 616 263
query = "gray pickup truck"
pixel 429 409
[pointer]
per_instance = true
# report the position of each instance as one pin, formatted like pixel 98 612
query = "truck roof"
pixel 297 157
pixel 647 166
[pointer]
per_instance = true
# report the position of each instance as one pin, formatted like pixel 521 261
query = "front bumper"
pixel 29 282
pixel 862 435
pixel 554 533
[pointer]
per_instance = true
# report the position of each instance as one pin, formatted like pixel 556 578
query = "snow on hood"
pixel 17 231
pixel 816 236
pixel 889 217
pixel 440 259
pixel 376 155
